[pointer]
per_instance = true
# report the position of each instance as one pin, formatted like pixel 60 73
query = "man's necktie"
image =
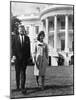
pixel 22 40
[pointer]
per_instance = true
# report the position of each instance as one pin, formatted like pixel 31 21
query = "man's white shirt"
pixel 21 38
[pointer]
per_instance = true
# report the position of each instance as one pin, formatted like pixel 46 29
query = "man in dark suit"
pixel 21 52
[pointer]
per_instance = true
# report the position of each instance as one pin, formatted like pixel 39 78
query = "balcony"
pixel 51 32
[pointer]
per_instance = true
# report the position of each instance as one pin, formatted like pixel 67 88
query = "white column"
pixel 55 32
pixel 66 33
pixel 46 33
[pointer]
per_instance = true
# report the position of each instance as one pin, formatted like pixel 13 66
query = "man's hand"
pixel 13 59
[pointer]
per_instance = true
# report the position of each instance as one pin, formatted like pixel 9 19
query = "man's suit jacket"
pixel 22 52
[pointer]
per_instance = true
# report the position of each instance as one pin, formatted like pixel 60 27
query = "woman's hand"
pixel 35 59
pixel 37 64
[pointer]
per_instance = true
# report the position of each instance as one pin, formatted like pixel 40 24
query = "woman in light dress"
pixel 40 59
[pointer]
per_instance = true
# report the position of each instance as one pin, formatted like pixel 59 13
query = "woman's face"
pixel 41 37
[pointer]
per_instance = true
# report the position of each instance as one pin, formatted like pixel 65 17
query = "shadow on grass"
pixel 57 86
pixel 47 87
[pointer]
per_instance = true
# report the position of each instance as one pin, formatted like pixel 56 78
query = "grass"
pixel 58 81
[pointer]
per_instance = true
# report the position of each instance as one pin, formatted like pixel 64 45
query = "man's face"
pixel 20 31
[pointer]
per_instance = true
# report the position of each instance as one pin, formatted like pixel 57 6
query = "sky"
pixel 19 8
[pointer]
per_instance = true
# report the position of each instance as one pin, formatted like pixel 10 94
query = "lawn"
pixel 58 81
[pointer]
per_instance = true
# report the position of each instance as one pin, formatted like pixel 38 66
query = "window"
pixel 27 29
pixel 72 45
pixel 62 24
pixel 37 29
pixel 72 25
pixel 51 25
pixel 53 43
pixel 62 44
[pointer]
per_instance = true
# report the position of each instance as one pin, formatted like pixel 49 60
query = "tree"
pixel 14 24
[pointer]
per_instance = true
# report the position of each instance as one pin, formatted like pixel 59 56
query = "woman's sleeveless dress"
pixel 41 58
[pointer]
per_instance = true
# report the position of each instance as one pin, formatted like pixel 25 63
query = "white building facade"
pixel 57 23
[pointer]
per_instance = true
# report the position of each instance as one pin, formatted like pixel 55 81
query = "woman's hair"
pixel 41 33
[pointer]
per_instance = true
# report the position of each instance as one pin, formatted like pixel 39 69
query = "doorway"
pixel 62 44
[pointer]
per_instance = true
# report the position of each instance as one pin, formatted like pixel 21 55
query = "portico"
pixel 56 25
